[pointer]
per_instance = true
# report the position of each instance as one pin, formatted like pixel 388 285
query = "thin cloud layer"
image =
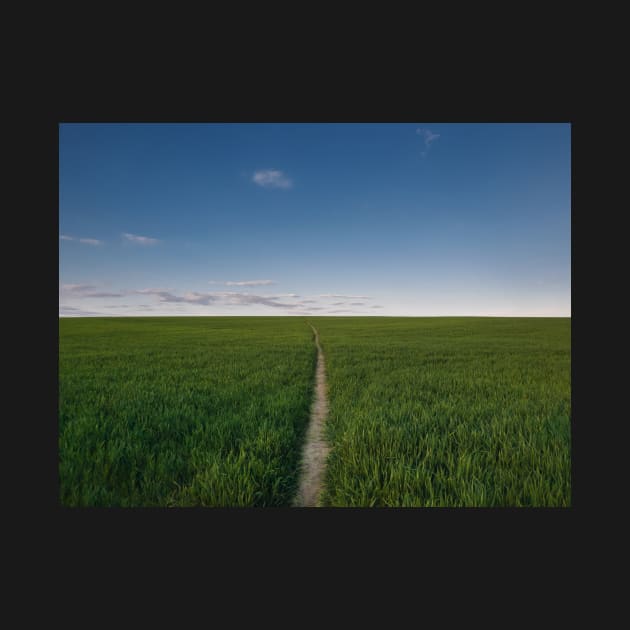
pixel 73 311
pixel 350 297
pixel 141 240
pixel 87 241
pixel 77 288
pixel 287 301
pixel 271 178
pixel 87 291
pixel 243 283
pixel 226 297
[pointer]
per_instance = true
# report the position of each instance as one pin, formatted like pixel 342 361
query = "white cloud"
pixel 150 291
pixel 142 240
pixel 335 295
pixel 231 297
pixel 249 283
pixel 73 311
pixel 270 178
pixel 291 302
pixel 429 137
pixel 77 288
pixel 226 297
pixel 87 241
pixel 243 283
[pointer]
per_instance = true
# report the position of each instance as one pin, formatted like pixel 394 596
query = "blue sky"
pixel 323 219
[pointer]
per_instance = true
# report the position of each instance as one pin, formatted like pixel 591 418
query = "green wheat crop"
pixel 448 411
pixel 207 411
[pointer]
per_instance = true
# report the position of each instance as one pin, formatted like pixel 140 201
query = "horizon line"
pixel 336 315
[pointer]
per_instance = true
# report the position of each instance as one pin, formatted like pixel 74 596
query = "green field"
pixel 182 411
pixel 448 411
pixel 212 411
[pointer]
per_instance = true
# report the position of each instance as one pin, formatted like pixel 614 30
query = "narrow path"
pixel 315 448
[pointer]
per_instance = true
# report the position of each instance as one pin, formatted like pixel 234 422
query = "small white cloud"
pixel 249 283
pixel 336 295
pixel 87 291
pixel 77 288
pixel 71 311
pixel 271 178
pixel 88 241
pixel 243 283
pixel 428 136
pixel 142 240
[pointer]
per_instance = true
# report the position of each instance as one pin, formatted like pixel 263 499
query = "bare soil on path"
pixel 315 449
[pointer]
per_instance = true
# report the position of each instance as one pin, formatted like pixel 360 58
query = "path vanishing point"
pixel 315 447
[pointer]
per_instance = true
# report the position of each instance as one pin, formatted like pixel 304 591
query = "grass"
pixel 448 411
pixel 182 411
pixel 212 411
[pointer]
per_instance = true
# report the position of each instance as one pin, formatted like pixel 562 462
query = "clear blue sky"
pixel 253 219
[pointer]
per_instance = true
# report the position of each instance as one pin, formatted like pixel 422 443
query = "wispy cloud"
pixel 190 297
pixel 87 241
pixel 271 178
pixel 336 295
pixel 87 291
pixel 73 311
pixel 77 288
pixel 226 297
pixel 243 283
pixel 348 304
pixel 429 138
pixel 141 240
pixel 288 301
pixel 247 298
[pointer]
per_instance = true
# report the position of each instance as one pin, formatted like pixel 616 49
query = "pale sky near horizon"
pixel 414 219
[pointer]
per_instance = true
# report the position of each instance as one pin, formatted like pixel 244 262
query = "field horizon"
pixel 320 316
pixel 213 411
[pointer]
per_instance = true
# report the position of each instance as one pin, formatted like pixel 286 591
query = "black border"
pixel 260 531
